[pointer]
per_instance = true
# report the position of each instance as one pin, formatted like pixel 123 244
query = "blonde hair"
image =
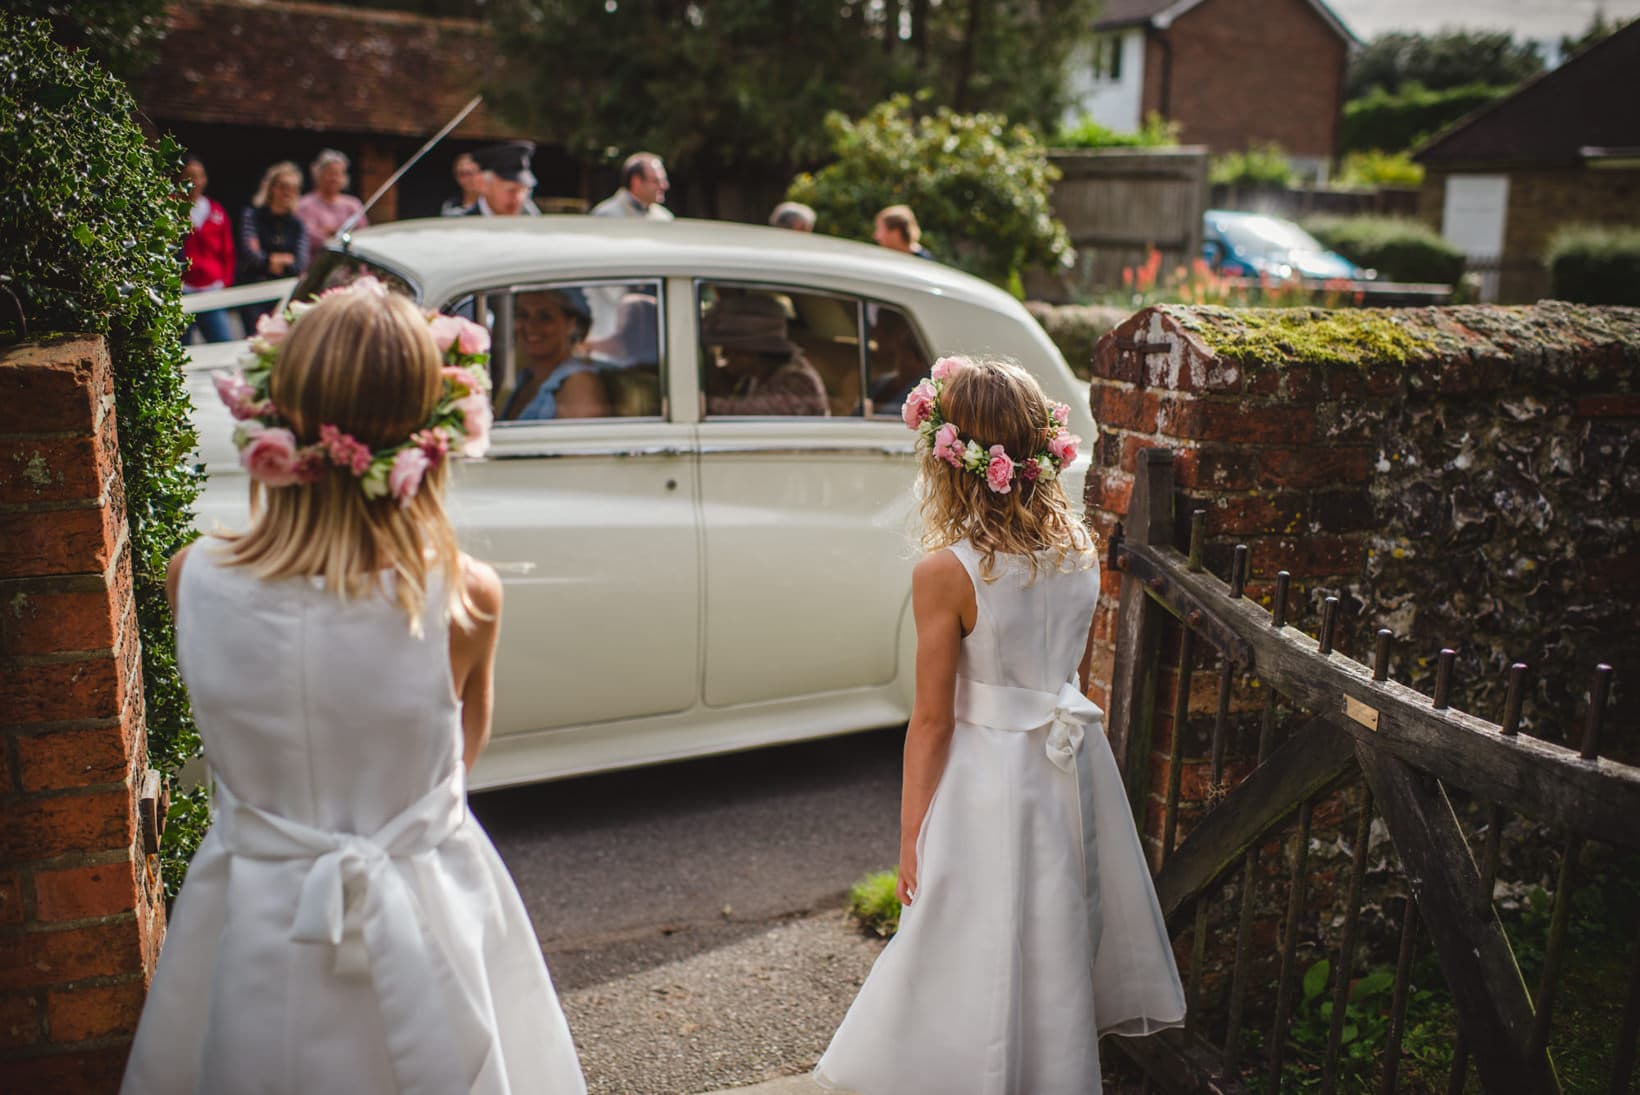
pixel 998 403
pixel 283 167
pixel 365 363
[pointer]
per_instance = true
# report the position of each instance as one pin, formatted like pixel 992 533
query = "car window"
pixel 896 358
pixel 772 350
pixel 574 350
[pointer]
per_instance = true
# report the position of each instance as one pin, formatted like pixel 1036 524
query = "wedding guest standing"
pixel 324 209
pixel 896 228
pixel 346 925
pixel 643 190
pixel 793 215
pixel 272 241
pixel 469 185
pixel 1030 925
pixel 207 251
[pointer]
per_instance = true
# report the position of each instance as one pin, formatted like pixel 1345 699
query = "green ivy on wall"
pixel 91 229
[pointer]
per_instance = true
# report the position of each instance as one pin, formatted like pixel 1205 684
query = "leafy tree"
pixel 742 88
pixel 1395 121
pixel 978 185
pixel 121 34
pixel 1449 59
pixel 1599 28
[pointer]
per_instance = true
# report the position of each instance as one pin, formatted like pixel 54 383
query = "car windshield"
pixel 332 269
pixel 1267 235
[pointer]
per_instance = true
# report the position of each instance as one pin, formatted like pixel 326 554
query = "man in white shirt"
pixel 643 190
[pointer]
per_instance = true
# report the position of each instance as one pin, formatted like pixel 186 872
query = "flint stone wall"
pixel 1468 477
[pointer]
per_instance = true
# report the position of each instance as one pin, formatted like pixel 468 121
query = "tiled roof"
pixel 311 66
pixel 1127 13
pixel 1590 102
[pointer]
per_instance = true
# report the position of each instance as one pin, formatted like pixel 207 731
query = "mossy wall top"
pixel 1468 477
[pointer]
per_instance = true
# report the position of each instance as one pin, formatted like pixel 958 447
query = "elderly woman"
pixel 759 371
pixel 324 209
pixel 552 381
pixel 272 241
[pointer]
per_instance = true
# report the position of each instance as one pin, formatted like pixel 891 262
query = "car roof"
pixel 446 255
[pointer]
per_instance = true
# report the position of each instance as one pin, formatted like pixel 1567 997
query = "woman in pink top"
pixel 324 209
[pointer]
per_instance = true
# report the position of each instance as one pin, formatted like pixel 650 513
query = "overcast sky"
pixel 1543 20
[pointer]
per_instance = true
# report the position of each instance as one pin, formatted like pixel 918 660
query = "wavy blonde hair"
pixel 366 364
pixel 998 403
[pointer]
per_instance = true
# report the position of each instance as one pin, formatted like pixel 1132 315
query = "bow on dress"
pixel 355 898
pixel 1070 717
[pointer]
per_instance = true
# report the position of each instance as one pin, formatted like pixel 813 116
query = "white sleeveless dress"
pixel 346 925
pixel 1035 928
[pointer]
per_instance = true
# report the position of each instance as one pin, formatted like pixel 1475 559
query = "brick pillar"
pixel 376 165
pixel 82 913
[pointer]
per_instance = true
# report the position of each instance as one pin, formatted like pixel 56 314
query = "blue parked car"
pixel 1254 245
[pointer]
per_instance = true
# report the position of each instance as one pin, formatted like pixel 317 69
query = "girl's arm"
pixel 942 601
pixel 472 657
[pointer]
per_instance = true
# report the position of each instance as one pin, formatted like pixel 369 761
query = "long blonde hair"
pixel 365 363
pixel 283 167
pixel 998 403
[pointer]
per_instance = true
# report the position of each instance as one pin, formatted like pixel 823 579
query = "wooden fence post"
pixel 1139 630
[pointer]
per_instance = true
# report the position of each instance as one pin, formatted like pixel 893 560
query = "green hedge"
pixel 1400 250
pixel 90 236
pixel 1594 264
pixel 1395 121
pixel 1074 328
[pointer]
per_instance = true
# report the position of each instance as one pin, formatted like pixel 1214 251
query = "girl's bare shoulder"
pixel 941 573
pixel 481 584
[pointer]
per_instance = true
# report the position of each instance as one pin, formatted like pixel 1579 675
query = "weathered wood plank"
pixel 1314 756
pixel 1177 1063
pixel 1494 1008
pixel 1545 781
pixel 1139 631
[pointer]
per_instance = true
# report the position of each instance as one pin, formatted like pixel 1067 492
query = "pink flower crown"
pixel 922 413
pixel 268 449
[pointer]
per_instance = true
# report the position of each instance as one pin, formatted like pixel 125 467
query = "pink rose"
pixel 946 366
pixel 271 457
pixel 918 405
pixel 1063 446
pixel 272 328
pixel 1061 413
pixel 947 445
pixel 405 479
pixel 473 338
pixel 476 417
pixel 237 394
pixel 459 379
pixel 446 330
pixel 434 442
pixel 1000 471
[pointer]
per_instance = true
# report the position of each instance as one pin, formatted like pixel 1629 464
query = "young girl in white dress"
pixel 346 925
pixel 1030 925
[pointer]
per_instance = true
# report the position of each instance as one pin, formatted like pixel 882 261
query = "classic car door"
pixel 590 521
pixel 805 497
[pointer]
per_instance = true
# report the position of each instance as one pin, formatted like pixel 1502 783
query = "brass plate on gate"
pixel 1361 713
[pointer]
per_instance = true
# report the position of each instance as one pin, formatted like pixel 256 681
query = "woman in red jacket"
pixel 208 252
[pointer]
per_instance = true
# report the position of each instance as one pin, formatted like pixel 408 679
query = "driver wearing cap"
pixel 507 182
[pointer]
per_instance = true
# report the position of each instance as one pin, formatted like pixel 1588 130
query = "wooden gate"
pixel 1354 737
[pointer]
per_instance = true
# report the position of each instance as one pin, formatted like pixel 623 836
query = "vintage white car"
pixel 696 569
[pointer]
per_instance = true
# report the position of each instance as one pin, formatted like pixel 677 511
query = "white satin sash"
pixel 1070 717
pixel 354 898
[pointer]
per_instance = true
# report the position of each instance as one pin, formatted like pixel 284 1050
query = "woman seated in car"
pixel 756 369
pixel 552 381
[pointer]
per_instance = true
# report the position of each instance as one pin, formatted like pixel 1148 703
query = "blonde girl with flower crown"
pixel 346 925
pixel 1030 925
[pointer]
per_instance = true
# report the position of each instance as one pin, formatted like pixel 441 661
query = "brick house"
pixel 1564 148
pixel 246 83
pixel 1230 72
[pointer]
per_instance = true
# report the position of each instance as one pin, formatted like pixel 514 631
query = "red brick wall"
pixel 81 905
pixel 1251 71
